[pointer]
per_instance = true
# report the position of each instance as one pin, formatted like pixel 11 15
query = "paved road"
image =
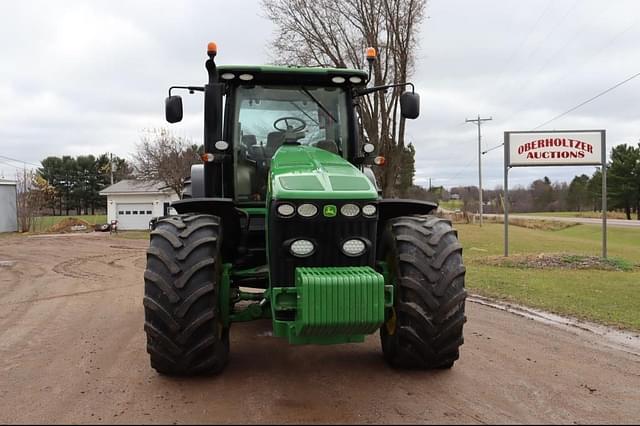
pixel 589 221
pixel 72 350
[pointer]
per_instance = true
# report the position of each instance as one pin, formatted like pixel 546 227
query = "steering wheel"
pixel 301 127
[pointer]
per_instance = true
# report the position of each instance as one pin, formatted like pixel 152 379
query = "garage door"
pixel 134 216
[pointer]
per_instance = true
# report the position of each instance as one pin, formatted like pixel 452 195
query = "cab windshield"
pixel 269 116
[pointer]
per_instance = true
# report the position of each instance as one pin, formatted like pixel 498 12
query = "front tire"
pixel 424 328
pixel 185 335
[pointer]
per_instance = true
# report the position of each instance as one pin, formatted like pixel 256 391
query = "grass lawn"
pixel 608 297
pixel 451 204
pixel 42 223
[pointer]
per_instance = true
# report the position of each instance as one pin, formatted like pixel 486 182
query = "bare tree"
pixel 31 198
pixel 336 33
pixel 161 156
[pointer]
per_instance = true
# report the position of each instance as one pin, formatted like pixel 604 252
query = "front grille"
pixel 327 234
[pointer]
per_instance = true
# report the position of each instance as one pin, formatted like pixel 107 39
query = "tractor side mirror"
pixel 173 109
pixel 410 105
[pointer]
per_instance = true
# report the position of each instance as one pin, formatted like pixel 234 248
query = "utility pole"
pixel 478 121
pixel 111 166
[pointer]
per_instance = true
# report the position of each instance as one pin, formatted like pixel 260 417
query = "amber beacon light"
pixel 212 47
pixel 371 53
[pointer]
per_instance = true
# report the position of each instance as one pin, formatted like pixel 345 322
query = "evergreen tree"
pixel 623 178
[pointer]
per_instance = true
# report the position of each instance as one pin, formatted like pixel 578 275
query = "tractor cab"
pixel 266 117
pixel 267 107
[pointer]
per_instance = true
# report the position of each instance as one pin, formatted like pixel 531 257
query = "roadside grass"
pixel 585 214
pixel 43 223
pixel 607 297
pixel 559 260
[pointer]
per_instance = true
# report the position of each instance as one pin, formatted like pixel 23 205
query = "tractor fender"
pixel 194 185
pixel 390 208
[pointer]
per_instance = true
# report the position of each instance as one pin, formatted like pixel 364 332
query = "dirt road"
pixel 72 350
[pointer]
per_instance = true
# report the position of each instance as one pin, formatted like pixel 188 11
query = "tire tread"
pixel 430 294
pixel 182 324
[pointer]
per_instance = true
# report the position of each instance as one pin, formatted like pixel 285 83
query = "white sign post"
pixel 555 148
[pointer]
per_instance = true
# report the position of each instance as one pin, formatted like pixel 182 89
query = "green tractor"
pixel 284 221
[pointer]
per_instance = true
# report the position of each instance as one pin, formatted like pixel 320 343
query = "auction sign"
pixel 555 148
pixel 570 148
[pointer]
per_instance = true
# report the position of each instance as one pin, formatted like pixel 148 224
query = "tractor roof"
pixel 271 74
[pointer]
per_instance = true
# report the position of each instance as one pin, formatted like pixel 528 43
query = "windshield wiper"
pixel 305 113
pixel 308 93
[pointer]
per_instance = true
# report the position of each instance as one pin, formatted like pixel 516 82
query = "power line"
pixel 10 165
pixel 19 161
pixel 522 43
pixel 603 47
pixel 460 171
pixel 535 75
pixel 494 148
pixel 588 100
pixel 531 54
pixel 560 79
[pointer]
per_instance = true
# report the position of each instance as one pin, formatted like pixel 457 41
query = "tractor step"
pixel 253 277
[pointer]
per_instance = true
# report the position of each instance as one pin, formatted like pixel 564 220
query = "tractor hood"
pixel 304 172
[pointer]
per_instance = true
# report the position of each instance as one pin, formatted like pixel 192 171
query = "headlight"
pixel 350 210
pixel 307 210
pixel 353 247
pixel 286 210
pixel 302 248
pixel 221 145
pixel 369 210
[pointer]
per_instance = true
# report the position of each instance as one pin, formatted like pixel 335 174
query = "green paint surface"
pixel 304 172
pixel 271 69
pixel 300 183
pixel 255 211
pixel 333 305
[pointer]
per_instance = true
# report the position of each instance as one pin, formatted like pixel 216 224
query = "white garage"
pixel 134 203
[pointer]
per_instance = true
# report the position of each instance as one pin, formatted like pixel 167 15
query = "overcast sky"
pixel 80 77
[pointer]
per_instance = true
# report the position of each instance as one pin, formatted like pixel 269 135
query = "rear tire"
pixel 424 329
pixel 181 296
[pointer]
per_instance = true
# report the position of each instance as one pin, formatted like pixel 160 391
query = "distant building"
pixel 8 206
pixel 134 203
pixel 454 196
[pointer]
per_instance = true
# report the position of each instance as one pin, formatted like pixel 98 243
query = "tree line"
pixel 583 193
pixel 73 183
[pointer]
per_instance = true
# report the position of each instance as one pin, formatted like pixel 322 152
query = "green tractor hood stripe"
pixel 304 172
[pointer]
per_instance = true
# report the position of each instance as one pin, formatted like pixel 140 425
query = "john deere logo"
pixel 330 210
